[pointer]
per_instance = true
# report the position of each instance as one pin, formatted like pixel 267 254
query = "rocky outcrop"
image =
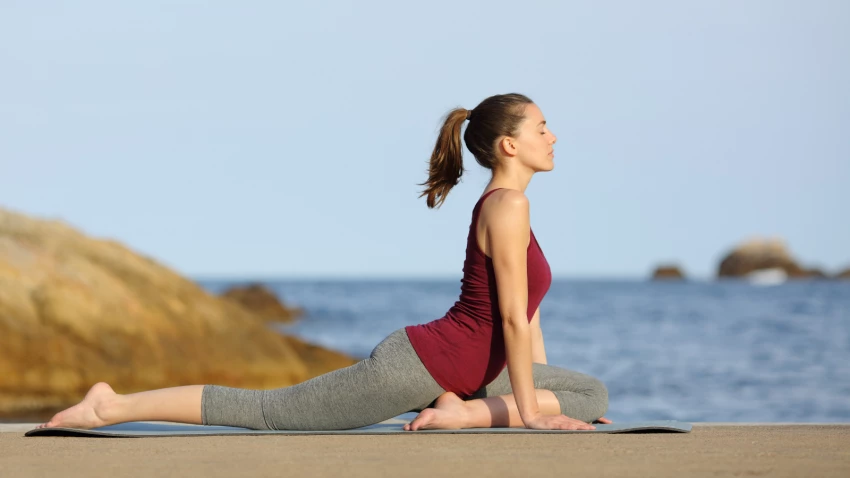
pixel 668 272
pixel 76 310
pixel 761 254
pixel 843 275
pixel 261 301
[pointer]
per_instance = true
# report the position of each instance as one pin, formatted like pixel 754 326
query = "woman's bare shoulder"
pixel 505 217
pixel 505 204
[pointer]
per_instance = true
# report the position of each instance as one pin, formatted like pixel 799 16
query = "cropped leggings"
pixel 390 382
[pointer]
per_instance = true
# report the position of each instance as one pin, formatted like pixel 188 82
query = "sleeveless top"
pixel 465 349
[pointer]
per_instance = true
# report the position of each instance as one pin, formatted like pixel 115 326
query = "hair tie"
pixel 468 114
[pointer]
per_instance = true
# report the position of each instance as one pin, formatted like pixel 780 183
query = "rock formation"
pixel 668 272
pixel 263 302
pixel 76 310
pixel 815 273
pixel 760 254
pixel 844 275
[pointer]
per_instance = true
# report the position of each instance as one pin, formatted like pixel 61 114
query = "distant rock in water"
pixel 76 310
pixel 844 275
pixel 760 254
pixel 668 272
pixel 263 302
pixel 815 273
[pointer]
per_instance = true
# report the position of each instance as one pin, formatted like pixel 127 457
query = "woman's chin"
pixel 545 166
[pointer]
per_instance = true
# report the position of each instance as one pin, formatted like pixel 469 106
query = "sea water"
pixel 693 351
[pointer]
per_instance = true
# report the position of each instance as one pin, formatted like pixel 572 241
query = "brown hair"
pixel 496 116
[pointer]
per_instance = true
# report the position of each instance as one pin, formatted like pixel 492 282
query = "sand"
pixel 709 450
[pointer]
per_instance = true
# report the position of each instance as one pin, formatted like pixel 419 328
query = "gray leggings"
pixel 390 382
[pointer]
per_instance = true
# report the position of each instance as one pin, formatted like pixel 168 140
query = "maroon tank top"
pixel 465 349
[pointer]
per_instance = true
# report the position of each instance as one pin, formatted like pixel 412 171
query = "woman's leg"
pixel 559 391
pixel 390 382
pixel 102 406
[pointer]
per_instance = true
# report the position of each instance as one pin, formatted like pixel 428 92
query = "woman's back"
pixel 465 349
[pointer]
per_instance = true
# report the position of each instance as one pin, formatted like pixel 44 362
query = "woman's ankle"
pixel 111 409
pixel 477 414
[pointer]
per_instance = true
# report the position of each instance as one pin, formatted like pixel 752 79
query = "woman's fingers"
pixel 557 422
pixel 573 424
pixel 604 420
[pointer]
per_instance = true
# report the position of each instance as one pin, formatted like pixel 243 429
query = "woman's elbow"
pixel 515 319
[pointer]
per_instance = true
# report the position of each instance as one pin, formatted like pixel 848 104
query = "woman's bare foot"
pixel 449 413
pixel 86 413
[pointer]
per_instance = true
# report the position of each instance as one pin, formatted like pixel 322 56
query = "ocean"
pixel 724 351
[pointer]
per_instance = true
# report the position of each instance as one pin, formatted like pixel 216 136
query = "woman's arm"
pixel 508 238
pixel 538 351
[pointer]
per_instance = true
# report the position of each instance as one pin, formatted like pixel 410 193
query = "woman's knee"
pixel 585 399
pixel 598 393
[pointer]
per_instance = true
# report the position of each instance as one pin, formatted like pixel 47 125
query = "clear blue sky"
pixel 287 139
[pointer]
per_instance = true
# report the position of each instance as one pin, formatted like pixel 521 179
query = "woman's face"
pixel 534 142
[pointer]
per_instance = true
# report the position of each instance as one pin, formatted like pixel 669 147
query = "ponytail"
pixel 496 116
pixel 446 164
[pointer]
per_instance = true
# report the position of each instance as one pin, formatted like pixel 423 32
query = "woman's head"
pixel 502 129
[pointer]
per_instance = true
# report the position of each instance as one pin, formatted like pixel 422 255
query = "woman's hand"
pixel 557 422
pixel 603 420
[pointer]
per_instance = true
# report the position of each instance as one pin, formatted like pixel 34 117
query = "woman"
pixel 452 369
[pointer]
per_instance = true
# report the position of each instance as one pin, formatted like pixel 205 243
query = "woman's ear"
pixel 508 146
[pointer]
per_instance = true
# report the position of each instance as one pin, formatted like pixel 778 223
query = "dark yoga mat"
pixel 146 429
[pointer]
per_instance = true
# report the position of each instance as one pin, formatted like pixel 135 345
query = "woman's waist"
pixel 453 336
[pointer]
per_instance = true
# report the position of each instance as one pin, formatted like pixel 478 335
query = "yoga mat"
pixel 147 429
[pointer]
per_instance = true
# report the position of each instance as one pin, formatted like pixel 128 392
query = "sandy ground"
pixel 709 450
